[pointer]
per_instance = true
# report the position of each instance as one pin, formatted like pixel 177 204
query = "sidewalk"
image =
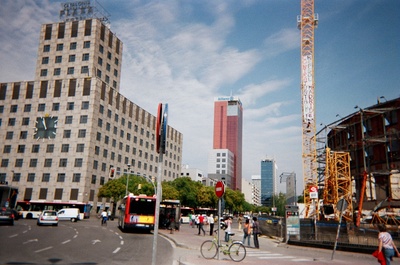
pixel 187 245
pixel 187 249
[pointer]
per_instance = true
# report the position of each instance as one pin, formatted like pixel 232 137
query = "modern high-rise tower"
pixel 268 181
pixel 228 124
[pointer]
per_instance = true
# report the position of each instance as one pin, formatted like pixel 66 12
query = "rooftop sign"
pixel 82 10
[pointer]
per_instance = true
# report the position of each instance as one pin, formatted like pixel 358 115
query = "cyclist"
pixel 104 217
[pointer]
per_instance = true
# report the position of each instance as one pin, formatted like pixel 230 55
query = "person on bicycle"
pixel 104 217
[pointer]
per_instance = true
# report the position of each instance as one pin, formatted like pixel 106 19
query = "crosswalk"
pixel 268 255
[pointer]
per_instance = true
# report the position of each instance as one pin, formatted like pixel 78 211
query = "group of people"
pixel 200 220
pixel 251 228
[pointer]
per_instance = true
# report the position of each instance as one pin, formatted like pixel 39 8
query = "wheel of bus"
pixel 237 251
pixel 73 220
pixel 208 249
pixel 29 216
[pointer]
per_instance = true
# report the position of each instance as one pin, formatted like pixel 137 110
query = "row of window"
pixel 58 194
pixel 74 32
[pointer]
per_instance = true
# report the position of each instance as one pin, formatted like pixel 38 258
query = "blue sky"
pixel 187 52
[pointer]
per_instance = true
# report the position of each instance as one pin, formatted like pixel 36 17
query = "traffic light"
pixel 112 173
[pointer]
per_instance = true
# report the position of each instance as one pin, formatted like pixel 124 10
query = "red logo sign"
pixel 219 189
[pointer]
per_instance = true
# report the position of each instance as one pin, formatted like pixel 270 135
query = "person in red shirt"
pixel 201 223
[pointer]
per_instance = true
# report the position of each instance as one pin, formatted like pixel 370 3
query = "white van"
pixel 69 214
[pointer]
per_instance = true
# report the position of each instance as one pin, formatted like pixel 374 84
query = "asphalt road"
pixel 83 242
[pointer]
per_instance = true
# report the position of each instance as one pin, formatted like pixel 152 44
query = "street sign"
pixel 219 189
pixel 341 205
pixel 313 192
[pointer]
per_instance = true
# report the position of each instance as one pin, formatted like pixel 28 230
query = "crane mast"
pixel 307 22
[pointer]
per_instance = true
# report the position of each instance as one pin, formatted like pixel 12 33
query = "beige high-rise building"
pixel 61 133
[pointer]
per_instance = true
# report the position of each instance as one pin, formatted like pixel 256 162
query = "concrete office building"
pixel 221 166
pixel 228 127
pixel 63 131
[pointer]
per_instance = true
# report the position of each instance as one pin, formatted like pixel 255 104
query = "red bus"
pixel 137 212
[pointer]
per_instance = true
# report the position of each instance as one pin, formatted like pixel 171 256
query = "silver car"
pixel 48 217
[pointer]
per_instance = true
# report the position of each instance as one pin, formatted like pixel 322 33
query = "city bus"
pixel 31 209
pixel 206 211
pixel 170 212
pixel 137 212
pixel 185 214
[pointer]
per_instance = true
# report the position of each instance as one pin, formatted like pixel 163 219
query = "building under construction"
pixel 371 138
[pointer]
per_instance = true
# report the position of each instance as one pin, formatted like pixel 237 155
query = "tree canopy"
pixel 190 193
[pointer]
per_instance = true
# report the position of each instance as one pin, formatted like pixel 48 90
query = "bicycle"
pixel 235 249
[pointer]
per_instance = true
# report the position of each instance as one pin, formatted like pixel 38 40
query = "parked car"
pixel 48 217
pixel 6 216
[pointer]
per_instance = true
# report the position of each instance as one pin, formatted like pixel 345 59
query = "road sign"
pixel 313 192
pixel 219 189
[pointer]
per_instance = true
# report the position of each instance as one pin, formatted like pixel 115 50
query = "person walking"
pixel 211 222
pixel 386 244
pixel 240 221
pixel 228 224
pixel 247 232
pixel 256 231
pixel 201 223
pixel 104 217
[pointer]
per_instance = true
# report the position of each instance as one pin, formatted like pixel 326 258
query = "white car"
pixel 48 217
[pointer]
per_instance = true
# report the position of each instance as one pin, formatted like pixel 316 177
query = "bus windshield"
pixel 142 206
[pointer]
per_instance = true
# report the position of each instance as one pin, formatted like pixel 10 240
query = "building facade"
pixel 268 181
pixel 256 193
pixel 194 174
pixel 371 136
pixel 62 132
pixel 228 127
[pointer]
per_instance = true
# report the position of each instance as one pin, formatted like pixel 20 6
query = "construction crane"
pixel 307 22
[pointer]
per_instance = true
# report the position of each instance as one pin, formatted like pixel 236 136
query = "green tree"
pixel 113 189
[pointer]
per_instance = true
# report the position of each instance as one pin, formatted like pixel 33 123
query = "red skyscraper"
pixel 228 120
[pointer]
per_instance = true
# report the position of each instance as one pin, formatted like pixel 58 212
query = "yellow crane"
pixel 307 22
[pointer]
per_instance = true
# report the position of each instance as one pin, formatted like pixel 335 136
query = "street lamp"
pixel 127 178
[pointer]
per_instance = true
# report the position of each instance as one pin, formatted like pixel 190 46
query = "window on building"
pixel 47 33
pixel 16 177
pixel 57 71
pixel 45 60
pixel 58 59
pixel 76 177
pixel 74 28
pixel 61 177
pixel 56 106
pixel 82 133
pixel 43 72
pixel 71 58
pixel 67 134
pixel 18 162
pixel 46 177
pixel 60 47
pixel 70 106
pixel 43 194
pixel 72 46
pixel 78 162
pixel 58 193
pixel 64 148
pixel 31 177
pixel 48 162
pixel 61 30
pixel 63 162
pixel 46 48
pixel 70 70
pixel 35 148
pixel 80 148
pixel 68 119
pixel 50 148
pixel 86 44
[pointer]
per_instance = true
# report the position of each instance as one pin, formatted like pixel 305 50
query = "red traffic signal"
pixel 112 173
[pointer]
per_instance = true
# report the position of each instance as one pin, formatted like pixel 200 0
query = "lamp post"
pixel 127 178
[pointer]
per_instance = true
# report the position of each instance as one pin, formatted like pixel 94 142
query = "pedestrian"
pixel 256 231
pixel 386 244
pixel 193 219
pixel 104 217
pixel 247 232
pixel 201 223
pixel 211 222
pixel 240 221
pixel 228 224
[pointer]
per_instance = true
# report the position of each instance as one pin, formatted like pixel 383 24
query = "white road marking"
pixel 43 249
pixel 67 241
pixel 116 250
pixel 31 240
pixel 122 242
pixel 95 241
pixel 13 236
